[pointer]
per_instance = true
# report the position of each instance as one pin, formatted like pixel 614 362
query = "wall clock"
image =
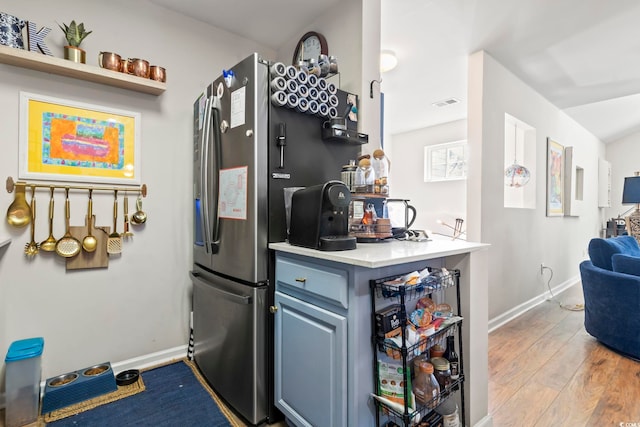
pixel 311 45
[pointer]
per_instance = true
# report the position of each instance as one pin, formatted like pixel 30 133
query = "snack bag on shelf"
pixel 391 381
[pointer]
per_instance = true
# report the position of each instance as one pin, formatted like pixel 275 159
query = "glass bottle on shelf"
pixel 442 371
pixel 451 355
pixel 425 386
pixel 381 165
pixel 365 177
pixel 348 175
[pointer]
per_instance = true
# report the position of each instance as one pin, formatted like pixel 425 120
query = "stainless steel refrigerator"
pixel 246 151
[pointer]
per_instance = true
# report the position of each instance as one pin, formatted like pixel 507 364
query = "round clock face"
pixel 311 48
pixel 311 45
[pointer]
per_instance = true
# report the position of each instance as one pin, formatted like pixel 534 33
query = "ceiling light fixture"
pixel 388 60
pixel 516 175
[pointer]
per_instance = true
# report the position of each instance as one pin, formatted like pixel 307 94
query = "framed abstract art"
pixel 62 140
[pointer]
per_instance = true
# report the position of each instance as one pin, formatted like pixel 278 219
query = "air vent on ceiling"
pixel 445 102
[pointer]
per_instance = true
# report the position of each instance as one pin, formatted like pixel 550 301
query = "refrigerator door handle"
pixel 204 172
pixel 238 299
pixel 217 139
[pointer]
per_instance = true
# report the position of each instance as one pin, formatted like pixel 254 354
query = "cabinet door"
pixel 310 363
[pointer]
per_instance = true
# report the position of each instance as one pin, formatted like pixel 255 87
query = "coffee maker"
pixel 320 217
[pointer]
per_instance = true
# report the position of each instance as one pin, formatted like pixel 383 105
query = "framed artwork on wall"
pixel 62 140
pixel 445 162
pixel 555 178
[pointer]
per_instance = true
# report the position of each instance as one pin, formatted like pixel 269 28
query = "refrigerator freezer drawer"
pixel 229 329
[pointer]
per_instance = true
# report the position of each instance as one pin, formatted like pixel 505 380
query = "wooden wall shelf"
pixel 63 67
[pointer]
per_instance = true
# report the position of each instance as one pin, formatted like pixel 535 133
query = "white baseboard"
pixel 151 359
pixel 487 421
pixel 516 311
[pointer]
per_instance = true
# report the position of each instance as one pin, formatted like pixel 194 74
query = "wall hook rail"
pixel 142 189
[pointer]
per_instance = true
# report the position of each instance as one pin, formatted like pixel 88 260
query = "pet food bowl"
pixel 127 377
pixel 63 379
pixel 78 386
pixel 95 370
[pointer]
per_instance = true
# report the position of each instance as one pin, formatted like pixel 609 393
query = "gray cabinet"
pixel 323 326
pixel 311 343
pixel 310 358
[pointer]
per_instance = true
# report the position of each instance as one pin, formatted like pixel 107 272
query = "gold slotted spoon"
pixel 31 248
pixel 68 246
pixel 49 245
pixel 114 240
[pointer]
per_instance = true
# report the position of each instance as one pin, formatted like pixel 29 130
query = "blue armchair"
pixel 611 287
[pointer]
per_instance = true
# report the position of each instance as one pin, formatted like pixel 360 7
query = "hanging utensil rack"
pixel 141 189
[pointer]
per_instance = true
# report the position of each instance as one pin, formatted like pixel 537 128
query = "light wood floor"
pixel 545 370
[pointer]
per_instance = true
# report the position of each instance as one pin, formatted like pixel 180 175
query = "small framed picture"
pixel 555 178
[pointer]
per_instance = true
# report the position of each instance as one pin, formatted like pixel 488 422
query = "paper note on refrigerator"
pixel 238 105
pixel 232 194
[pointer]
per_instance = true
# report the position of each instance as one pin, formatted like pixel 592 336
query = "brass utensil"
pixel 31 248
pixel 126 234
pixel 19 212
pixel 89 243
pixel 114 242
pixel 139 217
pixel 68 246
pixel 49 245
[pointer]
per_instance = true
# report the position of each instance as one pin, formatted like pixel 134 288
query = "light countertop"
pixel 387 253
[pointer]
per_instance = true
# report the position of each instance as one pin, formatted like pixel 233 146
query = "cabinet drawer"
pixel 327 283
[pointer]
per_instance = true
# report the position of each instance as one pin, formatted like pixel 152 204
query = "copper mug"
pixel 110 61
pixel 137 67
pixel 158 73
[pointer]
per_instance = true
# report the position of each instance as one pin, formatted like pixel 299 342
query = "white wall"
pixel 444 200
pixel 522 239
pixel 622 154
pixel 141 303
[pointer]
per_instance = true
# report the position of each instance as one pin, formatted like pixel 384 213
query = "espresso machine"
pixel 320 217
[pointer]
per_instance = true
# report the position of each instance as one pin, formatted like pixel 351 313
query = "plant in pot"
pixel 74 34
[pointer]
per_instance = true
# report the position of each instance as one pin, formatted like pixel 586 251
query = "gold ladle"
pixel 49 245
pixel 19 212
pixel 89 243
pixel 139 217
pixel 31 248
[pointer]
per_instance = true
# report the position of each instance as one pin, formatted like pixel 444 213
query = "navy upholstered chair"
pixel 611 287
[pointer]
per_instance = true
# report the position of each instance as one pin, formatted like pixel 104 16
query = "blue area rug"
pixel 175 396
